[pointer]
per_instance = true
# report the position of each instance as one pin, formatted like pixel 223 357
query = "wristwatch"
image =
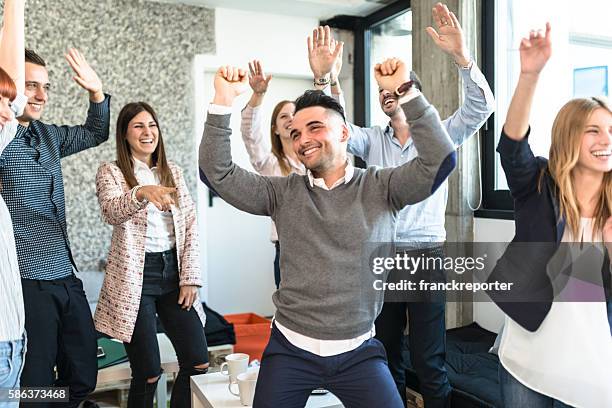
pixel 322 81
pixel 403 88
pixel 468 66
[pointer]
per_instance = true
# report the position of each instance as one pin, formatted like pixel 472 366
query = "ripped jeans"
pixel 184 328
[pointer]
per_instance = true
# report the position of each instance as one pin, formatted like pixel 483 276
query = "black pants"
pixel 427 341
pixel 60 334
pixel 160 294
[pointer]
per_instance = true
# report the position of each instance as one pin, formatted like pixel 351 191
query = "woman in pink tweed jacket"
pixel 153 264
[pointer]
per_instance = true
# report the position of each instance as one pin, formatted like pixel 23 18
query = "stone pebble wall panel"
pixel 142 51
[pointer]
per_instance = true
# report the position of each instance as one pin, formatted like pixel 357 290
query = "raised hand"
pixel 85 76
pixel 391 73
pixel 229 83
pixel 337 67
pixel 321 55
pixel 449 37
pixel 159 196
pixel 258 80
pixel 535 51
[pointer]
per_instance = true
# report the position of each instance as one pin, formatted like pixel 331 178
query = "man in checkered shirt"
pixel 61 337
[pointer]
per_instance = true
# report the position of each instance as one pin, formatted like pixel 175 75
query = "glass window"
pixel 389 38
pixel 579 66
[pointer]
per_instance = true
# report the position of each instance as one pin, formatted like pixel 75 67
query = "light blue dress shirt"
pixel 423 223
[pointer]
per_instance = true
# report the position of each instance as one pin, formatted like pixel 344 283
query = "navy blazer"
pixel 536 216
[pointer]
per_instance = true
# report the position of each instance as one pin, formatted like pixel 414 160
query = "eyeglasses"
pixel 34 86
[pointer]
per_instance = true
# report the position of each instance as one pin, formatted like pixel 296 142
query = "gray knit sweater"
pixel 326 287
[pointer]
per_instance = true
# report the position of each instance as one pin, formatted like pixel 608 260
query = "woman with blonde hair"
pixel 153 267
pixel 556 348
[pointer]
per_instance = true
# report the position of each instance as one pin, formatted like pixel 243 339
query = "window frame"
pixel 496 204
pixel 379 17
pixel 362 31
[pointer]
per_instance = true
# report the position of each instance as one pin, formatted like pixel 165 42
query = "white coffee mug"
pixel 235 364
pixel 246 386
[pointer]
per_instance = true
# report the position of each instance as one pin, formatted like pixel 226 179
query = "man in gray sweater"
pixel 326 304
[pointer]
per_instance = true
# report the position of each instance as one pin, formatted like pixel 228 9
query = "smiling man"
pixel 61 335
pixel 324 323
pixel 420 228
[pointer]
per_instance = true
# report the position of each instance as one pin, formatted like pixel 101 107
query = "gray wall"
pixel 142 51
pixel 441 80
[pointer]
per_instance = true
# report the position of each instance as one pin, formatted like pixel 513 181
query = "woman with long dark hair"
pixel 556 347
pixel 153 266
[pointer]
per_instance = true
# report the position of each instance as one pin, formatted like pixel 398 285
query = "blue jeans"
pixel 359 378
pixel 11 364
pixel 515 394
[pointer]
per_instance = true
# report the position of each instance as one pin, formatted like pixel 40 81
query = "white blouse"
pixel 160 224
pixel 569 357
pixel 12 315
pixel 258 147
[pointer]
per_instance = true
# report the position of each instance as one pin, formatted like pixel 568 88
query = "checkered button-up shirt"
pixel 33 189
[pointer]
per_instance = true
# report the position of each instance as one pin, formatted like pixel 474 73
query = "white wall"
pixel 237 253
pixel 486 313
pixel 280 42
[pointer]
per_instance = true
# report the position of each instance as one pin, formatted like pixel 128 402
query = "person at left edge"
pixel 12 102
pixel 61 336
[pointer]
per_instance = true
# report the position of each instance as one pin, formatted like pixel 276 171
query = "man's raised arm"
pixel 242 189
pixel 325 59
pixel 12 47
pixel 479 102
pixel 419 178
pixel 95 130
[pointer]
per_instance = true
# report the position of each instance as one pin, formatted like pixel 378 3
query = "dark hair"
pixel 318 98
pixel 417 82
pixel 34 58
pixel 7 86
pixel 124 153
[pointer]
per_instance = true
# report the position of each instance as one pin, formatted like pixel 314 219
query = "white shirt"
pixel 160 224
pixel 349 170
pixel 12 315
pixel 569 357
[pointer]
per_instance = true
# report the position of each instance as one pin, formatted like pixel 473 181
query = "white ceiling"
pixel 320 9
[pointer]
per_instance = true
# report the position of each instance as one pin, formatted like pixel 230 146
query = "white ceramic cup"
pixel 235 364
pixel 246 386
